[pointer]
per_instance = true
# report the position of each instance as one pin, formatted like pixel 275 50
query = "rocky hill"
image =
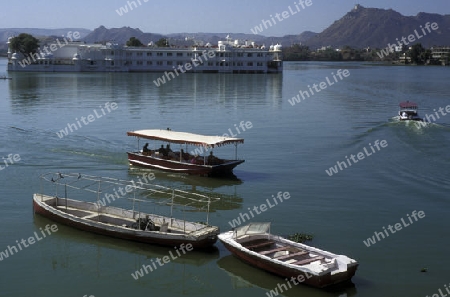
pixel 359 28
pixel 120 35
pixel 363 27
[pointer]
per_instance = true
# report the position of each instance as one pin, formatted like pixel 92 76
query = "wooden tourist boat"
pixel 408 111
pixel 182 161
pixel 98 217
pixel 254 244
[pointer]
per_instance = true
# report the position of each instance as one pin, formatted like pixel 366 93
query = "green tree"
pixel 296 52
pixel 417 53
pixel 25 44
pixel 426 55
pixel 163 42
pixel 330 55
pixel 134 42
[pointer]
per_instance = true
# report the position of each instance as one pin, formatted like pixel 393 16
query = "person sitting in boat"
pixel 184 156
pixel 212 159
pixel 173 155
pixel 162 151
pixel 194 159
pixel 146 150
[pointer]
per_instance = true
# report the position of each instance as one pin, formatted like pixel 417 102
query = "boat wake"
pixel 49 147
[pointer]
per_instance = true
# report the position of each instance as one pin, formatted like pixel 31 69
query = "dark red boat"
pixel 200 161
pixel 408 111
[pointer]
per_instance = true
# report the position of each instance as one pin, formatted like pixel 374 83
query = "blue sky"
pixel 174 16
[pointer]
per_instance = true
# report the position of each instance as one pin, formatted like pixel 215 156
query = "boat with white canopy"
pixel 194 162
pixel 408 111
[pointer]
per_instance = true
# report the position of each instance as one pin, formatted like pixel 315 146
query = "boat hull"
pixel 157 238
pixel 318 280
pixel 410 118
pixel 137 159
pixel 281 270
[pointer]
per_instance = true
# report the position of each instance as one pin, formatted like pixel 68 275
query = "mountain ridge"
pixel 359 28
pixel 374 27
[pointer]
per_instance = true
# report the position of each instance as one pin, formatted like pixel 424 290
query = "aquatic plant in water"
pixel 301 237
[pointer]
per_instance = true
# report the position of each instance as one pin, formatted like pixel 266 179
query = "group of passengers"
pixel 167 153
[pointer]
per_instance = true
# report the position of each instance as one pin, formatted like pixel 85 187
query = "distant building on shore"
pixel 229 56
pixel 441 53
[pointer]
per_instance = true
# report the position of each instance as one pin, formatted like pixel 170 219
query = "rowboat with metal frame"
pixel 101 218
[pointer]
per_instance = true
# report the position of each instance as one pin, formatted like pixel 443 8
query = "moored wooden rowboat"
pixel 118 222
pixel 254 244
pixel 182 161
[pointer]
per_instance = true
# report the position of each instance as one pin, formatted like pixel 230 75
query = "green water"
pixel 287 149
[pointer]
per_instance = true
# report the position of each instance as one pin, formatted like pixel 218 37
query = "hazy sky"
pixel 174 16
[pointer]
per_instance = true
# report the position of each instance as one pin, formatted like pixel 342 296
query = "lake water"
pixel 287 149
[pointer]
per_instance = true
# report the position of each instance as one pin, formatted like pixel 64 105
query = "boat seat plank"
pixel 307 261
pixel 274 250
pixel 292 255
pixel 258 245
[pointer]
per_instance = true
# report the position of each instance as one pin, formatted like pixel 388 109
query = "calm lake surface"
pixel 288 149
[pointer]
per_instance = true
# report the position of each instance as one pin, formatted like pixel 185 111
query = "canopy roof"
pixel 407 104
pixel 184 137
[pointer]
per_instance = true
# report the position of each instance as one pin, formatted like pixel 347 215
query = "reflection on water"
pixel 31 89
pixel 68 236
pixel 223 188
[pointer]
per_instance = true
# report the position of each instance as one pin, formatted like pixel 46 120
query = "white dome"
pixel 76 56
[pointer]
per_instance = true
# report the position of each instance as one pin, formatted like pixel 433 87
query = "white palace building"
pixel 227 57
